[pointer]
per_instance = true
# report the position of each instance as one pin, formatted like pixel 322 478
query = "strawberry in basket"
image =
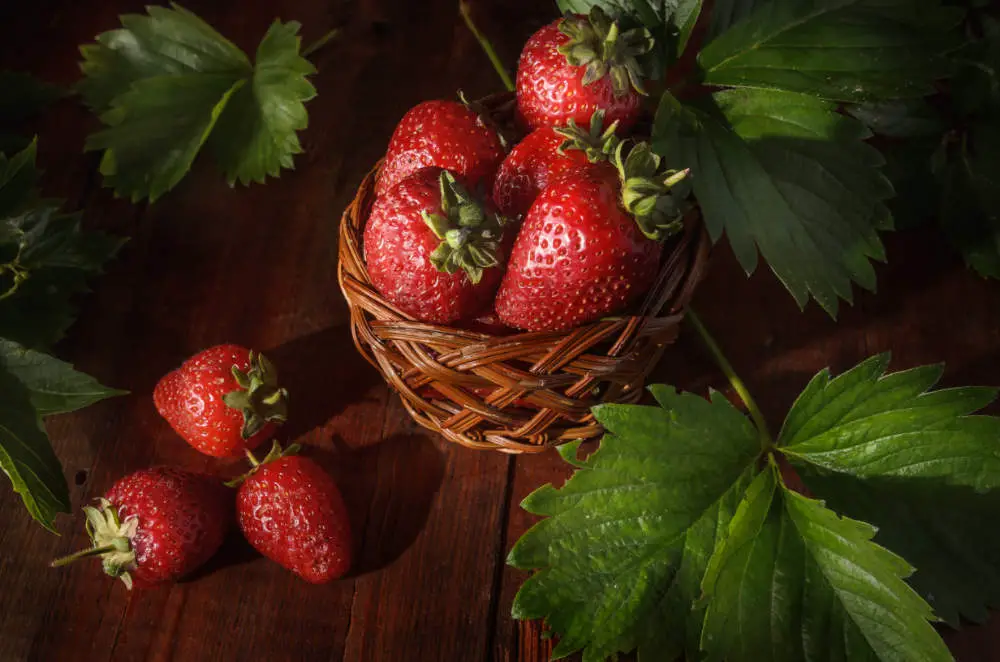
pixel 590 244
pixel 434 250
pixel 444 134
pixel 580 64
pixel 546 153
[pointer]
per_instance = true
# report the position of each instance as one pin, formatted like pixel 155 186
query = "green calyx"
pixel 657 200
pixel 259 397
pixel 469 233
pixel 597 43
pixel 597 143
pixel 112 541
pixel 255 464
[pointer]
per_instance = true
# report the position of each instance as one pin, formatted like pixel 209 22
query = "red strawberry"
pixel 589 247
pixel 444 134
pixel 433 250
pixel 546 153
pixel 578 65
pixel 157 525
pixel 223 400
pixel 291 512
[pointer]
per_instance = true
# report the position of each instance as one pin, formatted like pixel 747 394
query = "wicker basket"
pixel 515 393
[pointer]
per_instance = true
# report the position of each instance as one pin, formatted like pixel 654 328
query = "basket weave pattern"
pixel 514 393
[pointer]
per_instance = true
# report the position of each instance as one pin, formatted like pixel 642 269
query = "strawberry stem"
pixel 484 43
pixel 741 389
pixel 83 553
pixel 321 42
pixel 254 462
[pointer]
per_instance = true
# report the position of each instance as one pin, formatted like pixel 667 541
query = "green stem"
pixel 734 379
pixel 83 553
pixel 321 42
pixel 254 462
pixel 463 8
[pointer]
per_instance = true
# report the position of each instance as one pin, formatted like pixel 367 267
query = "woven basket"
pixel 515 393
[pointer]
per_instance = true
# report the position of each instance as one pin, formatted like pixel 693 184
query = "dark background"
pixel 207 264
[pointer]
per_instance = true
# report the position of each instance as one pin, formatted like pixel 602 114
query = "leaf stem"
pixel 734 379
pixel 321 42
pixel 463 8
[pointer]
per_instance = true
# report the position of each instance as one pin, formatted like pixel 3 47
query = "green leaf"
pixel 865 423
pixel 727 12
pixel 909 118
pixel 156 130
pixel 970 198
pixel 626 539
pixel 53 385
pixel 914 462
pixel 786 174
pixel 947 532
pixel 256 135
pixel 45 257
pixel 794 579
pixel 908 167
pixel 167 82
pixel 26 455
pixel 845 50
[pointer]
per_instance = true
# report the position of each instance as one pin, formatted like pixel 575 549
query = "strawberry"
pixel 433 250
pixel 546 153
pixel 443 134
pixel 222 400
pixel 578 65
pixel 157 525
pixel 291 512
pixel 589 246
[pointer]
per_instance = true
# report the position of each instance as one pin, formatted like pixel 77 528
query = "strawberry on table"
pixel 433 249
pixel 546 153
pixel 291 511
pixel 590 245
pixel 223 400
pixel 443 134
pixel 157 525
pixel 578 65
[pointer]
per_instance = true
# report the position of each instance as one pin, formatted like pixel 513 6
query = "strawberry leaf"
pixel 626 539
pixel 167 82
pixel 914 462
pixel 794 579
pixel 786 174
pixel 45 257
pixel 970 198
pixel 26 455
pixel 53 385
pixel 845 50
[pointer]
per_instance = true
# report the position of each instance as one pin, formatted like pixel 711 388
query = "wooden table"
pixel 433 523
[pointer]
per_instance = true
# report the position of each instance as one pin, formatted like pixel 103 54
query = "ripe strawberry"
pixel 589 246
pixel 443 134
pixel 577 65
pixel 433 250
pixel 291 512
pixel 546 153
pixel 157 525
pixel 223 400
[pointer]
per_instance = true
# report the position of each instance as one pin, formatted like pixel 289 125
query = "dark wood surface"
pixel 433 523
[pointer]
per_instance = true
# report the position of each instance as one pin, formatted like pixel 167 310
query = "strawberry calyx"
pixel 597 43
pixel 259 397
pixel 469 232
pixel 275 453
pixel 656 199
pixel 597 142
pixel 485 119
pixel 112 541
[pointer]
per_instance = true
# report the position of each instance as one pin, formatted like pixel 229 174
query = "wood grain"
pixel 432 522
